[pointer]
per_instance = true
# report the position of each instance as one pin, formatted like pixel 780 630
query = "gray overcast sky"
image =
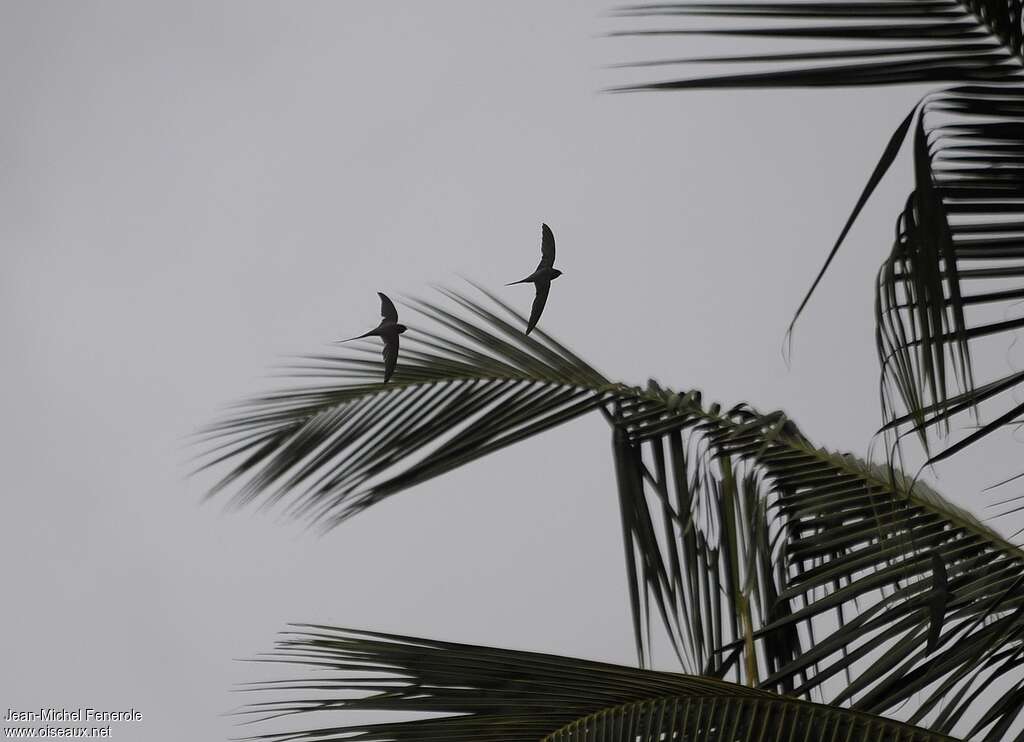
pixel 190 191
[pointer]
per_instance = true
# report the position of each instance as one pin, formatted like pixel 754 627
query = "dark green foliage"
pixel 893 42
pixel 766 559
pixel 771 533
pixel 959 248
pixel 959 253
pixel 506 696
pixel 345 443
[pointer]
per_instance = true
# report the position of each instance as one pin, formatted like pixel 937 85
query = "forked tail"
pixel 357 337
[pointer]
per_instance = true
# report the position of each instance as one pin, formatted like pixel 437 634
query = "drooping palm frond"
pixel 775 562
pixel 956 272
pixel 479 693
pixel 702 552
pixel 461 391
pixel 868 42
pixel 960 230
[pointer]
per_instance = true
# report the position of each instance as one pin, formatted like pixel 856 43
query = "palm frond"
pixel 461 391
pixel 954 273
pixel 479 693
pixel 807 572
pixel 954 277
pixel 870 42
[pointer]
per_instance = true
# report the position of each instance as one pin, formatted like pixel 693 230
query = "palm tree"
pixel 806 593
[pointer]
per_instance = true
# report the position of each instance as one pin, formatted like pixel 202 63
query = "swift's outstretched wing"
pixel 538 303
pixel 547 248
pixel 387 308
pixel 390 354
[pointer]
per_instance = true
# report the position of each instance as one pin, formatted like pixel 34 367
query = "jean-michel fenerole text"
pixel 79 714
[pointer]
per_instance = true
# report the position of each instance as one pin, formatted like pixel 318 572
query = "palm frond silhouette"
pixel 953 278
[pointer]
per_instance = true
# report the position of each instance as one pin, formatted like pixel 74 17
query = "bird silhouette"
pixel 542 277
pixel 388 330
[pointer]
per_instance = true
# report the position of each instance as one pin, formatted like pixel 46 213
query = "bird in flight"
pixel 542 277
pixel 388 330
